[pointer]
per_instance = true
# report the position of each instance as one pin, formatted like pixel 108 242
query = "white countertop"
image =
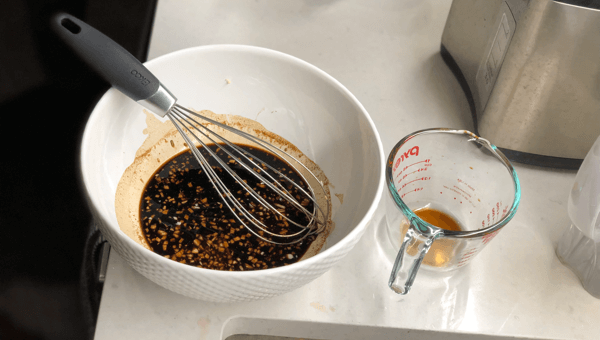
pixel 386 53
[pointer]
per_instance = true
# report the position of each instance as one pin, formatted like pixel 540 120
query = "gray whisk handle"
pixel 114 63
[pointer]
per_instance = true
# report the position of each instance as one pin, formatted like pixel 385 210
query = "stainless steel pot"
pixel 531 71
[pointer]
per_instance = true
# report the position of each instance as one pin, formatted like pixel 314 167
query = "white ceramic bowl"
pixel 289 97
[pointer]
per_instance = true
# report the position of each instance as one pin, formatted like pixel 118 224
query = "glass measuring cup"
pixel 454 172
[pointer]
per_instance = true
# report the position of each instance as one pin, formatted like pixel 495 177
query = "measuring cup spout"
pixel 418 237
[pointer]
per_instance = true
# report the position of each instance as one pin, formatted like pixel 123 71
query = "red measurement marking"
pixel 418 170
pixel 425 161
pixel 409 192
pixel 408 174
pixel 418 179
pixel 487 238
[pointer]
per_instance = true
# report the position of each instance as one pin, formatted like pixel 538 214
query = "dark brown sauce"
pixel 438 219
pixel 184 218
pixel 442 250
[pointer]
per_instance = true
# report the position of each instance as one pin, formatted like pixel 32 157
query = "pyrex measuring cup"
pixel 454 172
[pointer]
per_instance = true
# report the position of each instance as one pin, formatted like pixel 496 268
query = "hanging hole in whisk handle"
pixel 70 25
pixel 110 60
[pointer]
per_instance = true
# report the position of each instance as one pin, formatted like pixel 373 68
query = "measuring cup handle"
pixel 406 265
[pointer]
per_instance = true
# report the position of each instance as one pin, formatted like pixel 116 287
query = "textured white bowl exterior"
pixel 229 286
pixel 289 95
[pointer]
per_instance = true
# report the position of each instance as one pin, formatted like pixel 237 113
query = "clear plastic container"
pixel 579 247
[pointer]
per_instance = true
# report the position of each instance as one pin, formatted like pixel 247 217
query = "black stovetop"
pixel 46 95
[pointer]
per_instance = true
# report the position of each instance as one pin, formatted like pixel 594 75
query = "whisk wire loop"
pixel 284 193
pixel 273 150
pixel 270 182
pixel 223 190
pixel 183 120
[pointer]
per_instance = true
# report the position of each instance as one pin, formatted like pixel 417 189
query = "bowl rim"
pixel 356 231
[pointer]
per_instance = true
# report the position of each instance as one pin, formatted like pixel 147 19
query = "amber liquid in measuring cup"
pixel 442 250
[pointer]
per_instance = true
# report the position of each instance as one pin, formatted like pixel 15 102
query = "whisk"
pixel 127 74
